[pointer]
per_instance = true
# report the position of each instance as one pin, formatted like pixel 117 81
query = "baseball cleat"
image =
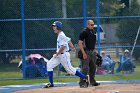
pixel 48 85
pixel 95 84
pixel 84 83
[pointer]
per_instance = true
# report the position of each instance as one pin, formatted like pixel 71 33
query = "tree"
pixel 38 33
pixel 127 29
pixel 126 2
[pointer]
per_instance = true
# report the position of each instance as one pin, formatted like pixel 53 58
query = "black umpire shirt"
pixel 89 37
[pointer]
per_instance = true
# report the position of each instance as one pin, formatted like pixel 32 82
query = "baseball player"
pixel 62 56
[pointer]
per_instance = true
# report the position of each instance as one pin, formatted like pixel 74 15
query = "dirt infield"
pixel 103 88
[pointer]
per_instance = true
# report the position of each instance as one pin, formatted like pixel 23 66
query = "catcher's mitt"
pixel 99 60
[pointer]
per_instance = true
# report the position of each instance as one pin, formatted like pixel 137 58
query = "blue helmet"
pixel 58 24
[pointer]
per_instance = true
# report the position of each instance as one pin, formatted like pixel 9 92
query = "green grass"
pixel 10 71
pixel 98 78
pixel 14 74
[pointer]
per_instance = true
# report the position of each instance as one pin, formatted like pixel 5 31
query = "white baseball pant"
pixel 64 59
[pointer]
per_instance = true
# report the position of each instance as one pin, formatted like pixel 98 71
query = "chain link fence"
pixel 119 22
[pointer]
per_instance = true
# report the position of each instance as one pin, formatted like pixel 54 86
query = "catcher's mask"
pixel 58 24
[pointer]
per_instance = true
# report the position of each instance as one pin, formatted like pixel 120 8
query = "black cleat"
pixel 95 84
pixel 84 83
pixel 48 85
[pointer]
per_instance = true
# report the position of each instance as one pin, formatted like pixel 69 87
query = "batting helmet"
pixel 58 24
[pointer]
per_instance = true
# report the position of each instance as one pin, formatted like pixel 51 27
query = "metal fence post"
pixel 23 39
pixel 98 22
pixel 84 13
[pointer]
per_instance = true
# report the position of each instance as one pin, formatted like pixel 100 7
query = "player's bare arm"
pixel 71 45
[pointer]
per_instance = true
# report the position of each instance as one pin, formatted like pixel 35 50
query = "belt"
pixel 64 52
pixel 89 49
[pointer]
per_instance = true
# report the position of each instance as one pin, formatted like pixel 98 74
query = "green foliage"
pixel 131 11
pixel 10 9
pixel 126 32
pixel 38 33
pixel 127 29
pixel 74 8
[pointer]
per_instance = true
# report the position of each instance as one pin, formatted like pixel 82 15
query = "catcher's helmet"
pixel 58 24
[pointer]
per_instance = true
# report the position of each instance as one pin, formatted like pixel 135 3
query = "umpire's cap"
pixel 58 24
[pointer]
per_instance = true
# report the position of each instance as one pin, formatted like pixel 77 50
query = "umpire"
pixel 87 41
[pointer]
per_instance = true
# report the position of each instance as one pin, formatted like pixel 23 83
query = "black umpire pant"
pixel 88 66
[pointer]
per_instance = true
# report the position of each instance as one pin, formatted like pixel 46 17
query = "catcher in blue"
pixel 62 56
